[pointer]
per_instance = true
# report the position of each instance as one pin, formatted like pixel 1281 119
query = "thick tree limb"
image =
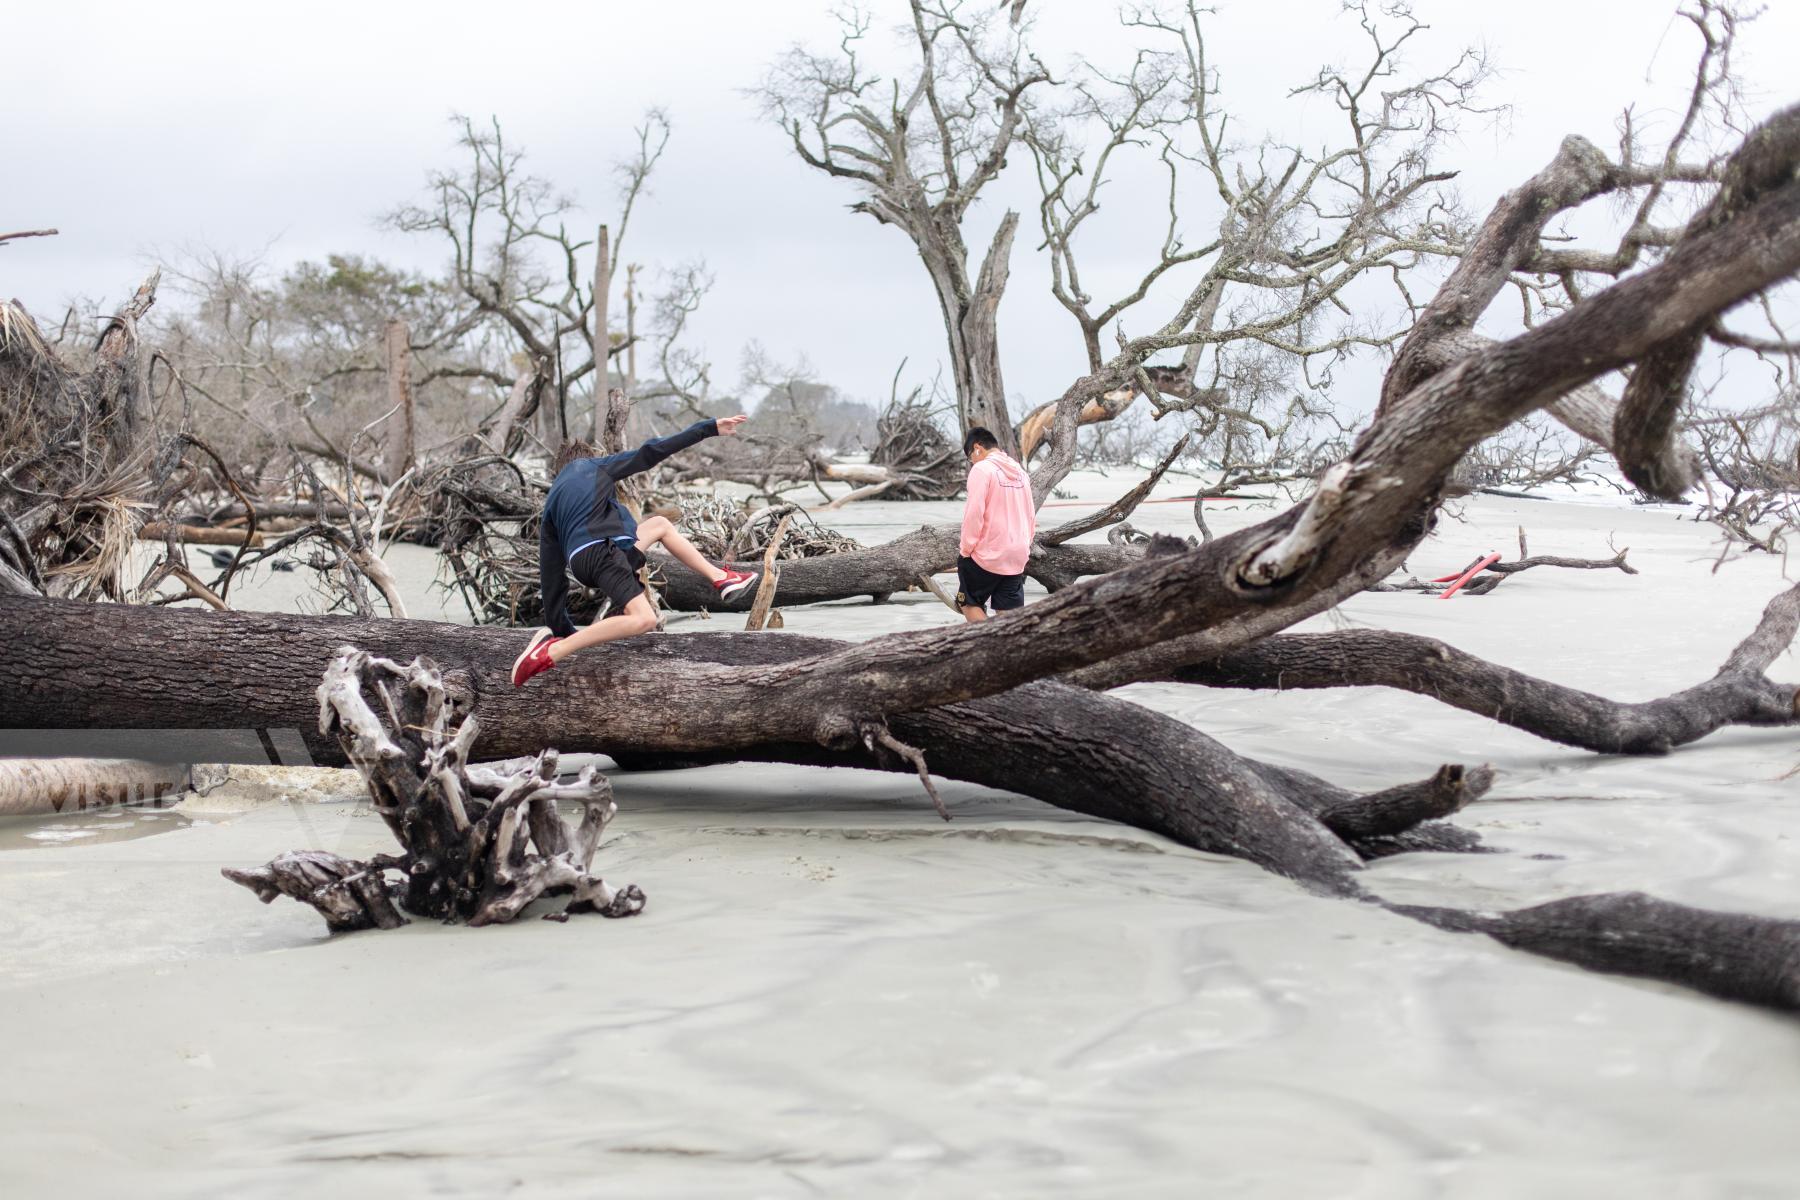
pixel 1737 695
pixel 1385 814
pixel 1646 420
pixel 1753 959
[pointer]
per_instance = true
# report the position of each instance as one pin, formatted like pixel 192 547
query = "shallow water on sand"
pixel 834 993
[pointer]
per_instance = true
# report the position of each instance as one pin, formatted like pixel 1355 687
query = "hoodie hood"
pixel 1008 467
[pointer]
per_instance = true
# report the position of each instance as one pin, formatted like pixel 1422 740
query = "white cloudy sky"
pixel 141 129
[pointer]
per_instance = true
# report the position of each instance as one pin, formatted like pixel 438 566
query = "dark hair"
pixel 979 437
pixel 569 452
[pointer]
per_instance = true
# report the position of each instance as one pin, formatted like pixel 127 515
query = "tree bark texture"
pixel 971 313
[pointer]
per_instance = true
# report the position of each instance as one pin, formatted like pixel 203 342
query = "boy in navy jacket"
pixel 586 532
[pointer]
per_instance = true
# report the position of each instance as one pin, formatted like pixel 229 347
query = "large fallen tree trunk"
pixel 658 700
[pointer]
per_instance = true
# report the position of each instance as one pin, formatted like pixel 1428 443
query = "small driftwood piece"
pixel 1494 574
pixel 771 579
pixel 478 844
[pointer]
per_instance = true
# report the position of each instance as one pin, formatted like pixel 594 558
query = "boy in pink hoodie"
pixel 999 522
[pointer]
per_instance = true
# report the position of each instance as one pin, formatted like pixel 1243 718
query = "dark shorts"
pixel 611 569
pixel 976 586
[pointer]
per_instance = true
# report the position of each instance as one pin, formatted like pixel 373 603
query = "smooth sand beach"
pixel 833 993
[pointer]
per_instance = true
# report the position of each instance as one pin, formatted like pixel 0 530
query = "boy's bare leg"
pixel 971 614
pixel 637 618
pixel 661 529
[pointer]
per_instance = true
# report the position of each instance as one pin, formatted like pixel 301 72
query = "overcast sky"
pixel 139 130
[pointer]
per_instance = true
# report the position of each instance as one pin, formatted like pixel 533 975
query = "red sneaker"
pixel 536 658
pixel 734 582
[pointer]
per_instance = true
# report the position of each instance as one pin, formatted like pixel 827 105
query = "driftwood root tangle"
pixel 480 844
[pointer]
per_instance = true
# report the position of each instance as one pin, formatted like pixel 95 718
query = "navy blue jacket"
pixel 583 508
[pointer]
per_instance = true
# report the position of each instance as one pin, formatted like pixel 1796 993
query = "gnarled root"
pixel 480 844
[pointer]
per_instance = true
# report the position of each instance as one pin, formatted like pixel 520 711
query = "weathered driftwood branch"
pixel 479 845
pixel 1493 574
pixel 199 535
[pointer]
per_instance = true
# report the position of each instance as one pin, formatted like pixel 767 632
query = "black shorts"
pixel 976 586
pixel 610 568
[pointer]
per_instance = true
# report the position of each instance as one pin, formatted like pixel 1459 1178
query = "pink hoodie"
pixel 999 519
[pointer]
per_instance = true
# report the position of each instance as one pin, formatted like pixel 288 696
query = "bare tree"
pixel 1283 282
pixel 920 147
pixel 515 264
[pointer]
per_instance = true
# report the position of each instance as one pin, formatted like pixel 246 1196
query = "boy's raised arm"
pixel 657 449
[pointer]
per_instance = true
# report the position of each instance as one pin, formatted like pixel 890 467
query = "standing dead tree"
pixel 921 146
pixel 1295 232
pixel 516 266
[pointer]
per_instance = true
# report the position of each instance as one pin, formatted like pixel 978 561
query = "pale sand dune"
pixel 833 993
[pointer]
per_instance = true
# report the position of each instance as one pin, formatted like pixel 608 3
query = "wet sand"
pixel 833 993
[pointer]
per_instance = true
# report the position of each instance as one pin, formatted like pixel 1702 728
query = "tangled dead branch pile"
pixel 74 453
pixel 731 530
pixel 921 461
